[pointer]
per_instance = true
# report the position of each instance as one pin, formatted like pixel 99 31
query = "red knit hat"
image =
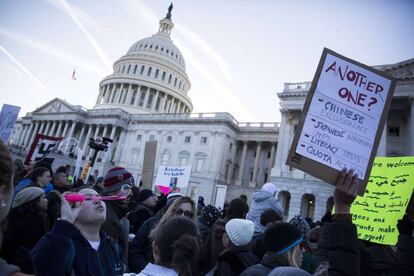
pixel 115 178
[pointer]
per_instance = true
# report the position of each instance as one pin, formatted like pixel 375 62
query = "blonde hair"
pixel 288 258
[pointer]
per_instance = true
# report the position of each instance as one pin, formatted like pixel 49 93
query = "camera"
pixel 99 143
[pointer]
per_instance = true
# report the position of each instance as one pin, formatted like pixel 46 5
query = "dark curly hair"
pixel 29 210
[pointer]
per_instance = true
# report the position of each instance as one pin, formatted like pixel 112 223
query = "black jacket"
pixel 64 250
pixel 140 250
pixel 235 260
pixel 138 216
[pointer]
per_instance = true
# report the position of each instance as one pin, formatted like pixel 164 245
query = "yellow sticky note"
pixel 386 198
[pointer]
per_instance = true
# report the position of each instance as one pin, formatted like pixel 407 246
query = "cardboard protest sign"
pixel 343 119
pixel 40 147
pixel 8 116
pixel 386 198
pixel 173 177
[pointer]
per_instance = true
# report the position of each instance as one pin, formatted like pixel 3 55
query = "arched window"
pixel 149 71
pixel 284 199
pixel 156 73
pixel 123 69
pixel 135 68
pixel 169 139
pixel 307 208
pixel 169 79
pixel 142 69
pixel 199 160
pixel 129 68
pixel 175 82
pixel 165 158
pixel 183 158
pixel 163 76
pixel 134 95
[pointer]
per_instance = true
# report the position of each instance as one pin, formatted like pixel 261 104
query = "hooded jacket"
pixel 261 201
pixel 64 250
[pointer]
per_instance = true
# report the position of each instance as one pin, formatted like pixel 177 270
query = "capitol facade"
pixel 146 99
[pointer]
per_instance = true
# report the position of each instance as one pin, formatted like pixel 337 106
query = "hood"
pixel 259 196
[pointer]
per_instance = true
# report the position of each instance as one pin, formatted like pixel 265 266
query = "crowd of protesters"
pixel 147 234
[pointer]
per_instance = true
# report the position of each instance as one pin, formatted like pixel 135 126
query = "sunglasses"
pixel 181 212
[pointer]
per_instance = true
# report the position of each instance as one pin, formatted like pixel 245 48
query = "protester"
pixel 208 216
pixel 308 260
pixel 40 177
pixel 76 245
pixel 175 249
pixel 118 181
pixel 143 211
pixel 30 178
pixel 19 171
pixel 339 253
pixel 6 198
pixel 236 256
pixel 200 204
pixel 60 184
pixel 27 223
pixel 213 246
pixel 98 187
pixel 140 251
pixel 261 200
pixel 90 181
pixel 268 216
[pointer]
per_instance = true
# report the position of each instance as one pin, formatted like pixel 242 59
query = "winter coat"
pixel 64 250
pixel 257 245
pixel 53 203
pixel 26 182
pixel 235 260
pixel 20 238
pixel 269 262
pixel 213 246
pixel 5 268
pixel 140 250
pixel 138 216
pixel 203 230
pixel 115 226
pixel 262 200
pixel 157 270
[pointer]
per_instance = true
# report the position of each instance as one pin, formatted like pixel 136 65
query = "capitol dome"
pixel 149 78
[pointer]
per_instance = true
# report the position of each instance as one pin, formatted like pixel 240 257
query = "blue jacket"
pixel 64 250
pixel 261 201
pixel 26 182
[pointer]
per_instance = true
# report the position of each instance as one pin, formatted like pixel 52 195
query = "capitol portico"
pixel 146 99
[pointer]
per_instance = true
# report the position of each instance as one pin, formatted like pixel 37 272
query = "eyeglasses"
pixel 181 212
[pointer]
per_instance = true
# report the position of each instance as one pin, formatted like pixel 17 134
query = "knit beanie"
pixel 144 194
pixel 115 178
pixel 209 214
pixel 26 195
pixel 280 237
pixel 301 224
pixel 269 187
pixel 240 231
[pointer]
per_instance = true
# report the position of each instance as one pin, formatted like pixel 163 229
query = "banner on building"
pixel 150 153
pixel 8 117
pixel 385 201
pixel 41 147
pixel 173 177
pixel 343 118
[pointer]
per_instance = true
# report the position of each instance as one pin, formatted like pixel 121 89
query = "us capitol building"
pixel 146 99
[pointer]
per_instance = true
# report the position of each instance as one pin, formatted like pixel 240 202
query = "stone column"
pixel 233 161
pixel 279 152
pixel 107 93
pixel 129 95
pixel 119 147
pixel 118 95
pixel 49 123
pixel 256 164
pixel 42 126
pixel 135 103
pixel 29 134
pixel 111 146
pixel 272 154
pixel 154 102
pixel 72 129
pixel 242 160
pixel 162 106
pixel 60 123
pixel 88 135
pixel 22 134
pixel 146 98
pixel 65 129
pixel 79 138
pixel 51 131
pixel 36 130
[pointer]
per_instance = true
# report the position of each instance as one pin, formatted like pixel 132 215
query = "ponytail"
pixel 185 255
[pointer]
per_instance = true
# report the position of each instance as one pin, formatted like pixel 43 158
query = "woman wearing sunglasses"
pixel 140 250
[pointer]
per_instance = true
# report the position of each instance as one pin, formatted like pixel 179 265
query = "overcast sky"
pixel 238 53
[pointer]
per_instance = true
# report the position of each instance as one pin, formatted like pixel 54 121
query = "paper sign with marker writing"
pixel 8 116
pixel 386 198
pixel 343 117
pixel 173 177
